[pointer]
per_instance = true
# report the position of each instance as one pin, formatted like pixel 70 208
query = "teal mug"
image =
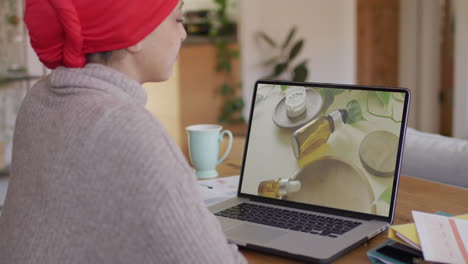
pixel 204 142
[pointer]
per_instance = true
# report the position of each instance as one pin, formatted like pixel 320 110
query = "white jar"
pixel 295 101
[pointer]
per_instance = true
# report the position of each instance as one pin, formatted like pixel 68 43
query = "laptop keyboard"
pixel 287 219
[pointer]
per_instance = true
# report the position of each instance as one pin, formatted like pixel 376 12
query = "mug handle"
pixel 228 150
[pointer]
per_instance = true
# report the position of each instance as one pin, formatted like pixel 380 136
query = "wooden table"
pixel 413 194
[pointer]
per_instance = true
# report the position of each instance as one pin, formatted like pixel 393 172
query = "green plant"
pixel 220 32
pixel 384 98
pixel 12 16
pixel 328 96
pixel 354 112
pixel 282 62
pixel 386 195
pixel 354 107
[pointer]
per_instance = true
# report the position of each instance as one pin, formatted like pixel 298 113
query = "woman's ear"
pixel 135 48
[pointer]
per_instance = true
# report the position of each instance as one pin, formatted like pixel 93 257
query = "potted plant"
pixel 282 62
pixel 221 33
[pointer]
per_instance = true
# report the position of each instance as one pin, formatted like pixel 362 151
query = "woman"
pixel 95 178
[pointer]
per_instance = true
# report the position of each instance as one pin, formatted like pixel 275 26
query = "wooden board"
pixel 200 99
pixel 377 42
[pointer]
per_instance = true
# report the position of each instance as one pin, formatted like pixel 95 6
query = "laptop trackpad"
pixel 246 232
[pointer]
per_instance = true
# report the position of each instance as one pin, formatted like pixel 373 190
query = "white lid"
pixel 294 186
pixel 337 118
pixel 295 101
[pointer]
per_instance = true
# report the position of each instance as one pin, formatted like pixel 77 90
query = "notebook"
pixel 320 170
pixel 408 235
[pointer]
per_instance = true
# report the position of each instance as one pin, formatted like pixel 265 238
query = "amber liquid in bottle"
pixel 278 188
pixel 270 189
pixel 316 133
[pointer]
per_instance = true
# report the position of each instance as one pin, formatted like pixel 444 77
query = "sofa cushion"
pixel 435 157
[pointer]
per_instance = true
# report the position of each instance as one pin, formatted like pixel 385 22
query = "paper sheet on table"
pixel 443 239
pixel 217 190
pixel 406 233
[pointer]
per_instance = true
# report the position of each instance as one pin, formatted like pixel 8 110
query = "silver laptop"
pixel 320 171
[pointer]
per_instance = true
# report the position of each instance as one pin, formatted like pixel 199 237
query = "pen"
pixel 207 186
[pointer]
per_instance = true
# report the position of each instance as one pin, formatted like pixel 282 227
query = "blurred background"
pixel 418 44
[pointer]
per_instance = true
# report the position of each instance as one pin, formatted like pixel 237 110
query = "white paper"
pixel 443 239
pixel 214 191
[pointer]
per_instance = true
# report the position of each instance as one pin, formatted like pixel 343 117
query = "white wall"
pixel 163 102
pixel 419 66
pixel 460 111
pixel 409 56
pixel 198 4
pixel 430 75
pixel 328 28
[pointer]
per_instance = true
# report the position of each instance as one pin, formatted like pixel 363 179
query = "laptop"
pixel 320 170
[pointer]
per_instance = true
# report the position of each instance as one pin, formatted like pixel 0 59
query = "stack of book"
pixel 433 237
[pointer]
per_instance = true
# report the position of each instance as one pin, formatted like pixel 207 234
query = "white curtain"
pixel 420 38
pixel 12 65
pixel 460 111
pixel 10 99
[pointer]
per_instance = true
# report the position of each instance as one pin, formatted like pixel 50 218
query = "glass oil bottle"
pixel 278 188
pixel 316 133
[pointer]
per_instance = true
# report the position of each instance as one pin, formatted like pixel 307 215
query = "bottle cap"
pixel 344 115
pixel 294 186
pixel 337 118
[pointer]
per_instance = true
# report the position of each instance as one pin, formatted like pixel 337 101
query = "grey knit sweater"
pixel 96 179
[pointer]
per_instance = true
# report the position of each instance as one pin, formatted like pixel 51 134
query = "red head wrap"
pixel 63 31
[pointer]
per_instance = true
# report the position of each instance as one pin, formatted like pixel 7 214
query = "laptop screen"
pixel 325 145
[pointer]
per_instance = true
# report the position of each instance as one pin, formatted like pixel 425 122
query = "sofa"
pixel 436 158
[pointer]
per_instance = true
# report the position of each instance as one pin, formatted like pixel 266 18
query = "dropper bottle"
pixel 316 133
pixel 278 188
